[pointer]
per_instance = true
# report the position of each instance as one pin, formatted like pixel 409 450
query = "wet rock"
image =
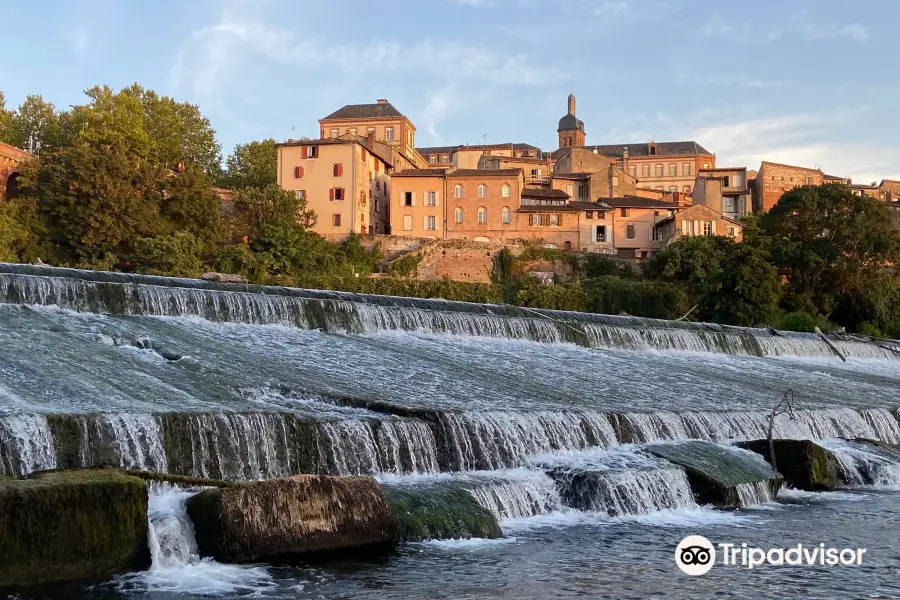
pixel 65 525
pixel 224 277
pixel 290 516
pixel 724 477
pixel 439 513
pixel 804 464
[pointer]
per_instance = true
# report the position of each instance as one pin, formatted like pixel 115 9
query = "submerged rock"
pixel 289 516
pixel 804 464
pixel 64 525
pixel 725 477
pixel 438 513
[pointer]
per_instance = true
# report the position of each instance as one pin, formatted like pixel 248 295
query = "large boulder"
pixel 290 516
pixel 804 464
pixel 439 512
pixel 63 525
pixel 719 475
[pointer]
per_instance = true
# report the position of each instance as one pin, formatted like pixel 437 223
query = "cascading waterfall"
pixel 171 532
pixel 502 440
pixel 516 494
pixel 626 492
pixel 131 441
pixel 369 447
pixel 26 445
pixel 118 293
pixel 750 494
pixel 865 465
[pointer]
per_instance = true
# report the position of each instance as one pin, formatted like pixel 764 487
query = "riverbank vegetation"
pixel 128 182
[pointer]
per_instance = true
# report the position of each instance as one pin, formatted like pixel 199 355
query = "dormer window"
pixel 651 149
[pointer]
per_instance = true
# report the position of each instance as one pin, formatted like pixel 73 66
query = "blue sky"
pixel 808 82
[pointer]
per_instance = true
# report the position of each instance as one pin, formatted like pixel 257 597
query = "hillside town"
pixel 365 174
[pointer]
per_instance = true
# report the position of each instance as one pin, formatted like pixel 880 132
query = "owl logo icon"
pixel 695 555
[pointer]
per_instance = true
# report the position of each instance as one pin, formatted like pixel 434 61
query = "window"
pixel 728 204
pixel 364 156
pixel 482 216
pixel 482 191
pixel 623 212
pixel 487 152
pixel 504 215
pixel 445 160
pixel 659 170
pixel 409 138
pixel 336 194
pixel 673 169
pixel 707 228
pixel 377 185
pixel 535 172
pixel 659 187
pixel 431 223
pixel 457 191
pixel 645 171
pixel 632 171
pixel 687 189
pixel 407 222
pixel 298 172
pixel 336 220
pixel 389 134
pixel 407 198
pixel 377 207
pixel 726 181
pixel 582 191
pixel 705 165
pixel 731 232
pixel 589 214
pixel 309 152
pixel 629 231
pixel 337 169
pixel 362 197
pixel 335 133
pixel 430 198
pixel 570 189
pixel 654 234
pixel 601 214
pixel 554 219
pixel 685 168
pixel 600 233
pixel 300 194
pixel 432 159
pixel 504 191
pixel 655 213
pixel 457 215
pixel 352 131
pixel 673 188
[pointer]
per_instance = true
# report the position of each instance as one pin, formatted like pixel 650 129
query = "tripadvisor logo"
pixel 696 555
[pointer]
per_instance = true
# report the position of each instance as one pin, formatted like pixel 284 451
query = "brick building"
pixel 696 220
pixel 11 159
pixel 725 190
pixel 774 179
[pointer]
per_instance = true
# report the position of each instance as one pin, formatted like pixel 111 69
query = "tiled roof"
pixel 722 169
pixel 636 202
pixel 662 149
pixel 547 208
pixel 421 173
pixel 337 142
pixel 536 192
pixel 571 175
pixel 485 173
pixel 436 150
pixel 586 205
pixel 382 110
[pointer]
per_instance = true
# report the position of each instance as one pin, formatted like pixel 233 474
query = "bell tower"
pixel 571 129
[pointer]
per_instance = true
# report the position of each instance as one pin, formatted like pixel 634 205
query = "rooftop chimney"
pixel 382 101
pixel 370 140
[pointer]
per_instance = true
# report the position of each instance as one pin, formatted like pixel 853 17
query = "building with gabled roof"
pixel 381 119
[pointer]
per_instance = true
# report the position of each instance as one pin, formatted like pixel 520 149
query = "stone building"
pixel 725 190
pixel 633 223
pixel 380 120
pixel 344 181
pixel 586 175
pixel 694 221
pixel 482 204
pixel 418 203
pixel 471 157
pixel 774 179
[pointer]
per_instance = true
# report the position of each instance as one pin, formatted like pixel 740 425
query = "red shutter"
pixel 377 166
pixel 301 171
pixel 365 155
pixel 305 152
pixel 331 194
pixel 343 194
pixel 340 169
pixel 296 172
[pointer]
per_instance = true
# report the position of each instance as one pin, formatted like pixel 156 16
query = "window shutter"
pixel 340 169
pixel 343 194
pixel 296 172
pixel 425 223
pixel 304 152
pixel 437 198
pixel 559 220
pixel 365 155
pixel 331 194
pixel 713 231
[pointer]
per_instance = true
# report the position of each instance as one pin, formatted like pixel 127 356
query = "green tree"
pixel 256 208
pixel 34 126
pixel 190 205
pixel 176 255
pixel 14 236
pixel 95 201
pixel 830 245
pixel 5 121
pixel 251 165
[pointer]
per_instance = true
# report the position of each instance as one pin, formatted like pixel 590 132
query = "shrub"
pixel 653 299
pixel 804 322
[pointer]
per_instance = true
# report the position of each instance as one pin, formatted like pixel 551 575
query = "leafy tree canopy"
pixel 251 165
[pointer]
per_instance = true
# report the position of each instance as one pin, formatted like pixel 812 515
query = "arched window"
pixel 457 191
pixel 457 215
pixel 482 190
pixel 482 215
pixel 504 215
pixel 505 190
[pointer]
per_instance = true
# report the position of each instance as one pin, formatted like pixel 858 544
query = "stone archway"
pixel 11 188
pixel 11 158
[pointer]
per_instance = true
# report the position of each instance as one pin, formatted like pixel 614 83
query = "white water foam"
pixel 26 444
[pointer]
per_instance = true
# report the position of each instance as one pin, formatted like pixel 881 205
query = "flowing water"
pixel 553 421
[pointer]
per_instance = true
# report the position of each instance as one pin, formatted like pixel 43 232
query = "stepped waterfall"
pixel 531 412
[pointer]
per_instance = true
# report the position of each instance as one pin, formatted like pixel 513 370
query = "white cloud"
pixel 474 3
pixel 799 24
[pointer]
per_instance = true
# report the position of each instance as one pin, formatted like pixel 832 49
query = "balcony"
pixel 537 181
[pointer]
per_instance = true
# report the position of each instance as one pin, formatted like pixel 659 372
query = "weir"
pixel 241 382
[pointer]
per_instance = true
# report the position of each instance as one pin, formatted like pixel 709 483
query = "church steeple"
pixel 571 129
